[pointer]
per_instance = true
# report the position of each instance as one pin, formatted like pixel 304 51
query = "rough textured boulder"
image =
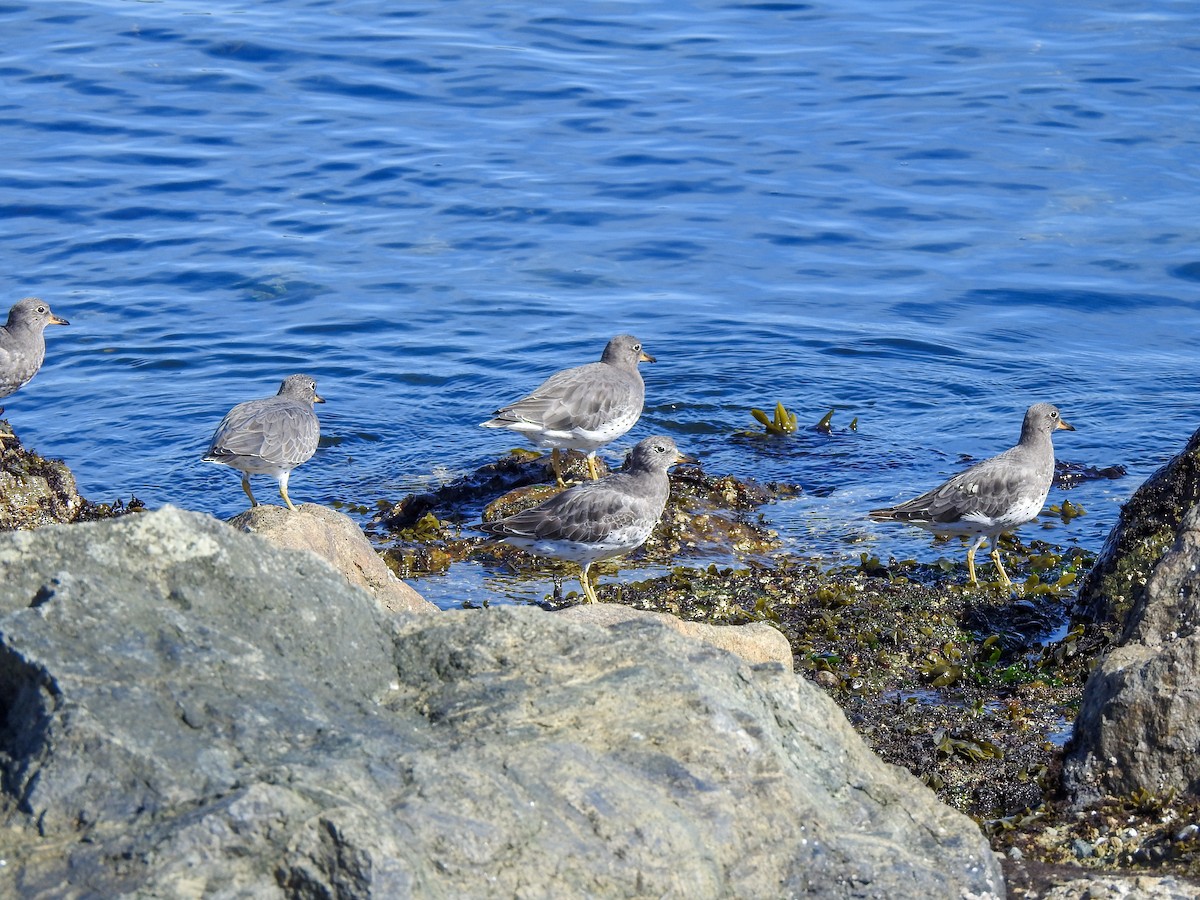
pixel 336 538
pixel 188 712
pixel 1146 529
pixel 755 642
pixel 1139 723
pixel 34 491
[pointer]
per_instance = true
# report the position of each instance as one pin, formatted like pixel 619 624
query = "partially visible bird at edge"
pixel 23 344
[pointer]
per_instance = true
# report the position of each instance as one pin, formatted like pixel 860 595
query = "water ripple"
pixel 922 223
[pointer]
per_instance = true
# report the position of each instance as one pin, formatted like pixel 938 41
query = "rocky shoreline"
pixel 192 711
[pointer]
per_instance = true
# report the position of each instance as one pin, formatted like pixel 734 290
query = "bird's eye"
pixel 42 310
pixel 637 346
pixel 1054 413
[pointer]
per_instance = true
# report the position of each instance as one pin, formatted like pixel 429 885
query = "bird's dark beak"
pixel 1064 426
pixel 646 357
pixel 684 458
pixel 56 320
pixel 317 398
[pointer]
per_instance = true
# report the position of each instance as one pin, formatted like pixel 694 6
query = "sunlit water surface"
pixel 923 218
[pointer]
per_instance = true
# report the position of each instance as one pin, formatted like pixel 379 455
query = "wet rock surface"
pixel 35 491
pixel 426 533
pixel 191 711
pixel 1033 881
pixel 1139 725
pixel 1146 529
pixel 973 711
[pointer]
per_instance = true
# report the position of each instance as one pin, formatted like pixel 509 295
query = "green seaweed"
pixel 783 422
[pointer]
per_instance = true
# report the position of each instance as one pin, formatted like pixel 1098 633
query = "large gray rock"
pixel 334 537
pixel 1139 723
pixel 190 712
pixel 755 642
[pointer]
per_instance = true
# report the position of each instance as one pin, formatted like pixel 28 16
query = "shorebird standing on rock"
pixel 993 496
pixel 598 519
pixel 270 436
pixel 23 344
pixel 582 408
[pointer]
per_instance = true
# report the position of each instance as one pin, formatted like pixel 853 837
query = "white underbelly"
pixel 587 439
pixel 583 552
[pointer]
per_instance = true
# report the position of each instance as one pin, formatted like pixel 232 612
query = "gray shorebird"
pixel 23 343
pixel 597 519
pixel 993 496
pixel 270 436
pixel 582 408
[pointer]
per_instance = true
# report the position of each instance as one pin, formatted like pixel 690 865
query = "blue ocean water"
pixel 922 216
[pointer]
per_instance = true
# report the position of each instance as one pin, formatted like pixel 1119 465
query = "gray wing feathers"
pixel 9 380
pixel 988 488
pixel 585 397
pixel 18 364
pixel 582 514
pixel 282 433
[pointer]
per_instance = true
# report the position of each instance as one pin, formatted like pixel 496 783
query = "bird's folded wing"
pixel 581 514
pixel 585 397
pixel 275 433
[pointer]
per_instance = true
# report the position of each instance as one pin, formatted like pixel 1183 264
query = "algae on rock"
pixel 1146 529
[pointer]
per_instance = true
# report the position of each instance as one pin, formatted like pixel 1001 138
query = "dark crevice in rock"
pixel 43 596
pixel 27 703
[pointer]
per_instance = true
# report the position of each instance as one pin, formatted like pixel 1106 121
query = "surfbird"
pixel 23 343
pixel 270 436
pixel 582 408
pixel 597 519
pixel 993 496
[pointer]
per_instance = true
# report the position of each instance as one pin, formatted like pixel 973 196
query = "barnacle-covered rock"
pixel 35 491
